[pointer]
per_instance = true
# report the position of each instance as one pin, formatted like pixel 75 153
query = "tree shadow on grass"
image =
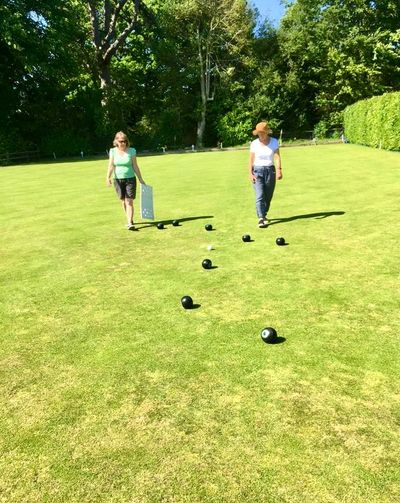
pixel 316 216
pixel 144 225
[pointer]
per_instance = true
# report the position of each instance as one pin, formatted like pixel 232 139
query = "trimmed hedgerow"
pixel 374 122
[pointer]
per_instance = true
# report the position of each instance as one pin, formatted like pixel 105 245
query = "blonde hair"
pixel 121 136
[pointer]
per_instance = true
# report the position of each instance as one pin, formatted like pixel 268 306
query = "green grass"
pixel 111 392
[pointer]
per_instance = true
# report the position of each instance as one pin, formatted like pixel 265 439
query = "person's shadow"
pixel 143 225
pixel 316 216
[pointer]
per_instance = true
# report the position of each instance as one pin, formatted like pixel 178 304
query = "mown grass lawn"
pixel 111 392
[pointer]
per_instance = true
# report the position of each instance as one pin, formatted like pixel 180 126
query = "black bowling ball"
pixel 269 335
pixel 207 264
pixel 187 302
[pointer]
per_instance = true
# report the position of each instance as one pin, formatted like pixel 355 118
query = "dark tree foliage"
pixel 174 73
pixel 44 74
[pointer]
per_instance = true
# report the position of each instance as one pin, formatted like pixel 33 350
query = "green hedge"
pixel 235 128
pixel 374 122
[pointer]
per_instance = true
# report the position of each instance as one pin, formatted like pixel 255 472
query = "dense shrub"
pixel 64 144
pixel 374 122
pixel 235 128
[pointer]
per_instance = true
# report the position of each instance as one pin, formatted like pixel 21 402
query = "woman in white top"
pixel 264 168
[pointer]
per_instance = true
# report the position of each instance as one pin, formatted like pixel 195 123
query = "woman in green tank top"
pixel 123 168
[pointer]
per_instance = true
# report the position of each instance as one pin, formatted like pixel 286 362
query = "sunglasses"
pixel 122 141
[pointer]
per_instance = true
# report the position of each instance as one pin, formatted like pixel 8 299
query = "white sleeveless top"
pixel 264 154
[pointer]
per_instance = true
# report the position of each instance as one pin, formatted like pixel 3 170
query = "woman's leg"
pixel 129 197
pixel 128 204
pixel 123 205
pixel 259 188
pixel 269 188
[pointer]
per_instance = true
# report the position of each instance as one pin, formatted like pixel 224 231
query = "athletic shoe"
pixel 261 223
pixel 130 227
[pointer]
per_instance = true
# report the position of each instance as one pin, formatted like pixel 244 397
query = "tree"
pixel 211 38
pixel 112 21
pixel 340 51
pixel 42 62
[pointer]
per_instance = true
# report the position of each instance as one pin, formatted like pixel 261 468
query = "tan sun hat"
pixel 262 127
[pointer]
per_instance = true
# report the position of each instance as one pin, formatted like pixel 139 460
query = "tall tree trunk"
pixel 105 82
pixel 201 125
pixel 104 19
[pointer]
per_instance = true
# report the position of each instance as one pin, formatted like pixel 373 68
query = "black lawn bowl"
pixel 207 264
pixel 280 241
pixel 246 238
pixel 269 335
pixel 175 223
pixel 160 225
pixel 187 302
pixel 208 227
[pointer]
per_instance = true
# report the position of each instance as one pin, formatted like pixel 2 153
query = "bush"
pixel 11 141
pixel 374 122
pixel 235 127
pixel 65 143
pixel 321 130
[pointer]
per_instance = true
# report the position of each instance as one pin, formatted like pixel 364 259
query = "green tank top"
pixel 123 162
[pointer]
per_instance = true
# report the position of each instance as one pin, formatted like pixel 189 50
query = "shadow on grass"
pixel 317 216
pixel 144 225
pixel 278 340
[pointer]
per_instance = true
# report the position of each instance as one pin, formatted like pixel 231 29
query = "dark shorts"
pixel 125 187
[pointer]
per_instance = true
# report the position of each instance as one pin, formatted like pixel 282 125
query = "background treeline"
pixel 181 72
